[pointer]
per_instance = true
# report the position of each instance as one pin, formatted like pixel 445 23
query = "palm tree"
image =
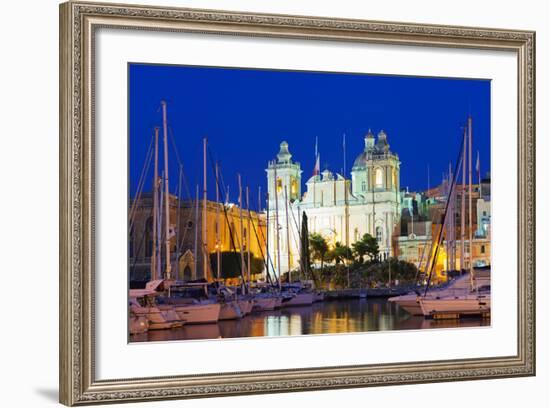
pixel 367 245
pixel 318 247
pixel 341 253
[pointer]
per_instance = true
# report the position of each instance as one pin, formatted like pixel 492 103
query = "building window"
pixel 293 186
pixel 379 234
pixel 279 185
pixel 378 178
pixel 484 213
pixel 364 185
pixel 394 178
pixel 482 249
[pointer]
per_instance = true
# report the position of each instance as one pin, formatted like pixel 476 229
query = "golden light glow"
pixel 293 186
pixel 378 177
pixel 279 185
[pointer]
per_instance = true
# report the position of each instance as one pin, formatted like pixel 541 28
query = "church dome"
pixel 284 155
pixel 361 160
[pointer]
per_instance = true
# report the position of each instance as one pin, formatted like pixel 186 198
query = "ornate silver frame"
pixel 78 22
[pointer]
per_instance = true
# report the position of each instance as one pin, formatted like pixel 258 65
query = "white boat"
pixel 191 302
pixel 138 324
pixel 262 303
pixel 246 305
pixel 295 294
pixel 463 305
pixel 298 299
pixel 142 304
pixel 230 310
pixel 196 313
pixel 458 287
pixel 318 296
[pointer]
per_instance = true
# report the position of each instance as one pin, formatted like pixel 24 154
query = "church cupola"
pixel 382 143
pixel 284 155
pixel 284 176
pixel 369 140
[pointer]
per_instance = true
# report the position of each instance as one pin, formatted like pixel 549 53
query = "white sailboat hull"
pixel 246 306
pixel 199 313
pixel 409 303
pixel 300 299
pixel 264 303
pixel 464 305
pixel 158 319
pixel 230 311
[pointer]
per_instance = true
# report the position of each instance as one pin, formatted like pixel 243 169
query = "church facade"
pixel 340 209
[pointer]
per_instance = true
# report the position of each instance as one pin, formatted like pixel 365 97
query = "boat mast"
pixel 471 251
pixel 248 236
pixel 154 274
pixel 245 275
pixel 267 263
pixel 287 236
pixel 204 193
pixel 167 192
pixel 277 227
pixel 448 226
pixel 463 207
pixel 218 249
pixel 196 228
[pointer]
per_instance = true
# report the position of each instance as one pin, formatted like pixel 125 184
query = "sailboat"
pixel 476 301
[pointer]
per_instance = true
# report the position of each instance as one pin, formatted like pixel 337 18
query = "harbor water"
pixel 338 316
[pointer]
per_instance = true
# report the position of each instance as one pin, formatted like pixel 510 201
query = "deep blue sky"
pixel 246 113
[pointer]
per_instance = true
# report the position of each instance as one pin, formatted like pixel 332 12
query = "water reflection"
pixel 343 316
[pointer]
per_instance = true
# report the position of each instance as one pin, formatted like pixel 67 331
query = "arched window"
pixel 379 234
pixel 378 178
pixel 364 185
pixel 279 185
pixel 187 275
pixel 293 186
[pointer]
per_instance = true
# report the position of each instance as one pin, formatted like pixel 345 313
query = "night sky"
pixel 246 113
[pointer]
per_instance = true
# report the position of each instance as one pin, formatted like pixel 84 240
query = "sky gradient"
pixel 246 113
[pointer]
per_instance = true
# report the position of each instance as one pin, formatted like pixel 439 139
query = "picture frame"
pixel 79 22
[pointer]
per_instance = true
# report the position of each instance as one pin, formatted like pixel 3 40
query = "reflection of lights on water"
pixel 276 326
pixel 295 324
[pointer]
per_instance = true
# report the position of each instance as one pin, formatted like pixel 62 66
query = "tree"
pixel 340 253
pixel 318 247
pixel 368 246
pixel 231 264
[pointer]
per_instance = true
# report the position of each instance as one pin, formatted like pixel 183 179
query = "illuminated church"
pixel 339 209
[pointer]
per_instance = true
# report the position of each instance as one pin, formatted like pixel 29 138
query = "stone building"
pixel 187 248
pixel 340 209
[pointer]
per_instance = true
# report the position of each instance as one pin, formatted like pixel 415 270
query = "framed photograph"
pixel 256 203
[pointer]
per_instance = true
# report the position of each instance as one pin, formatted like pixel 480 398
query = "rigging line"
pixel 141 240
pixel 300 242
pixel 178 159
pixel 134 208
pixel 445 214
pixel 259 243
pixel 221 185
pixel 141 182
pixel 178 195
pixel 232 239
pixel 268 258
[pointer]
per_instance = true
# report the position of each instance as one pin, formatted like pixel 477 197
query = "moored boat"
pixel 142 304
pixel 457 306
pixel 230 310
